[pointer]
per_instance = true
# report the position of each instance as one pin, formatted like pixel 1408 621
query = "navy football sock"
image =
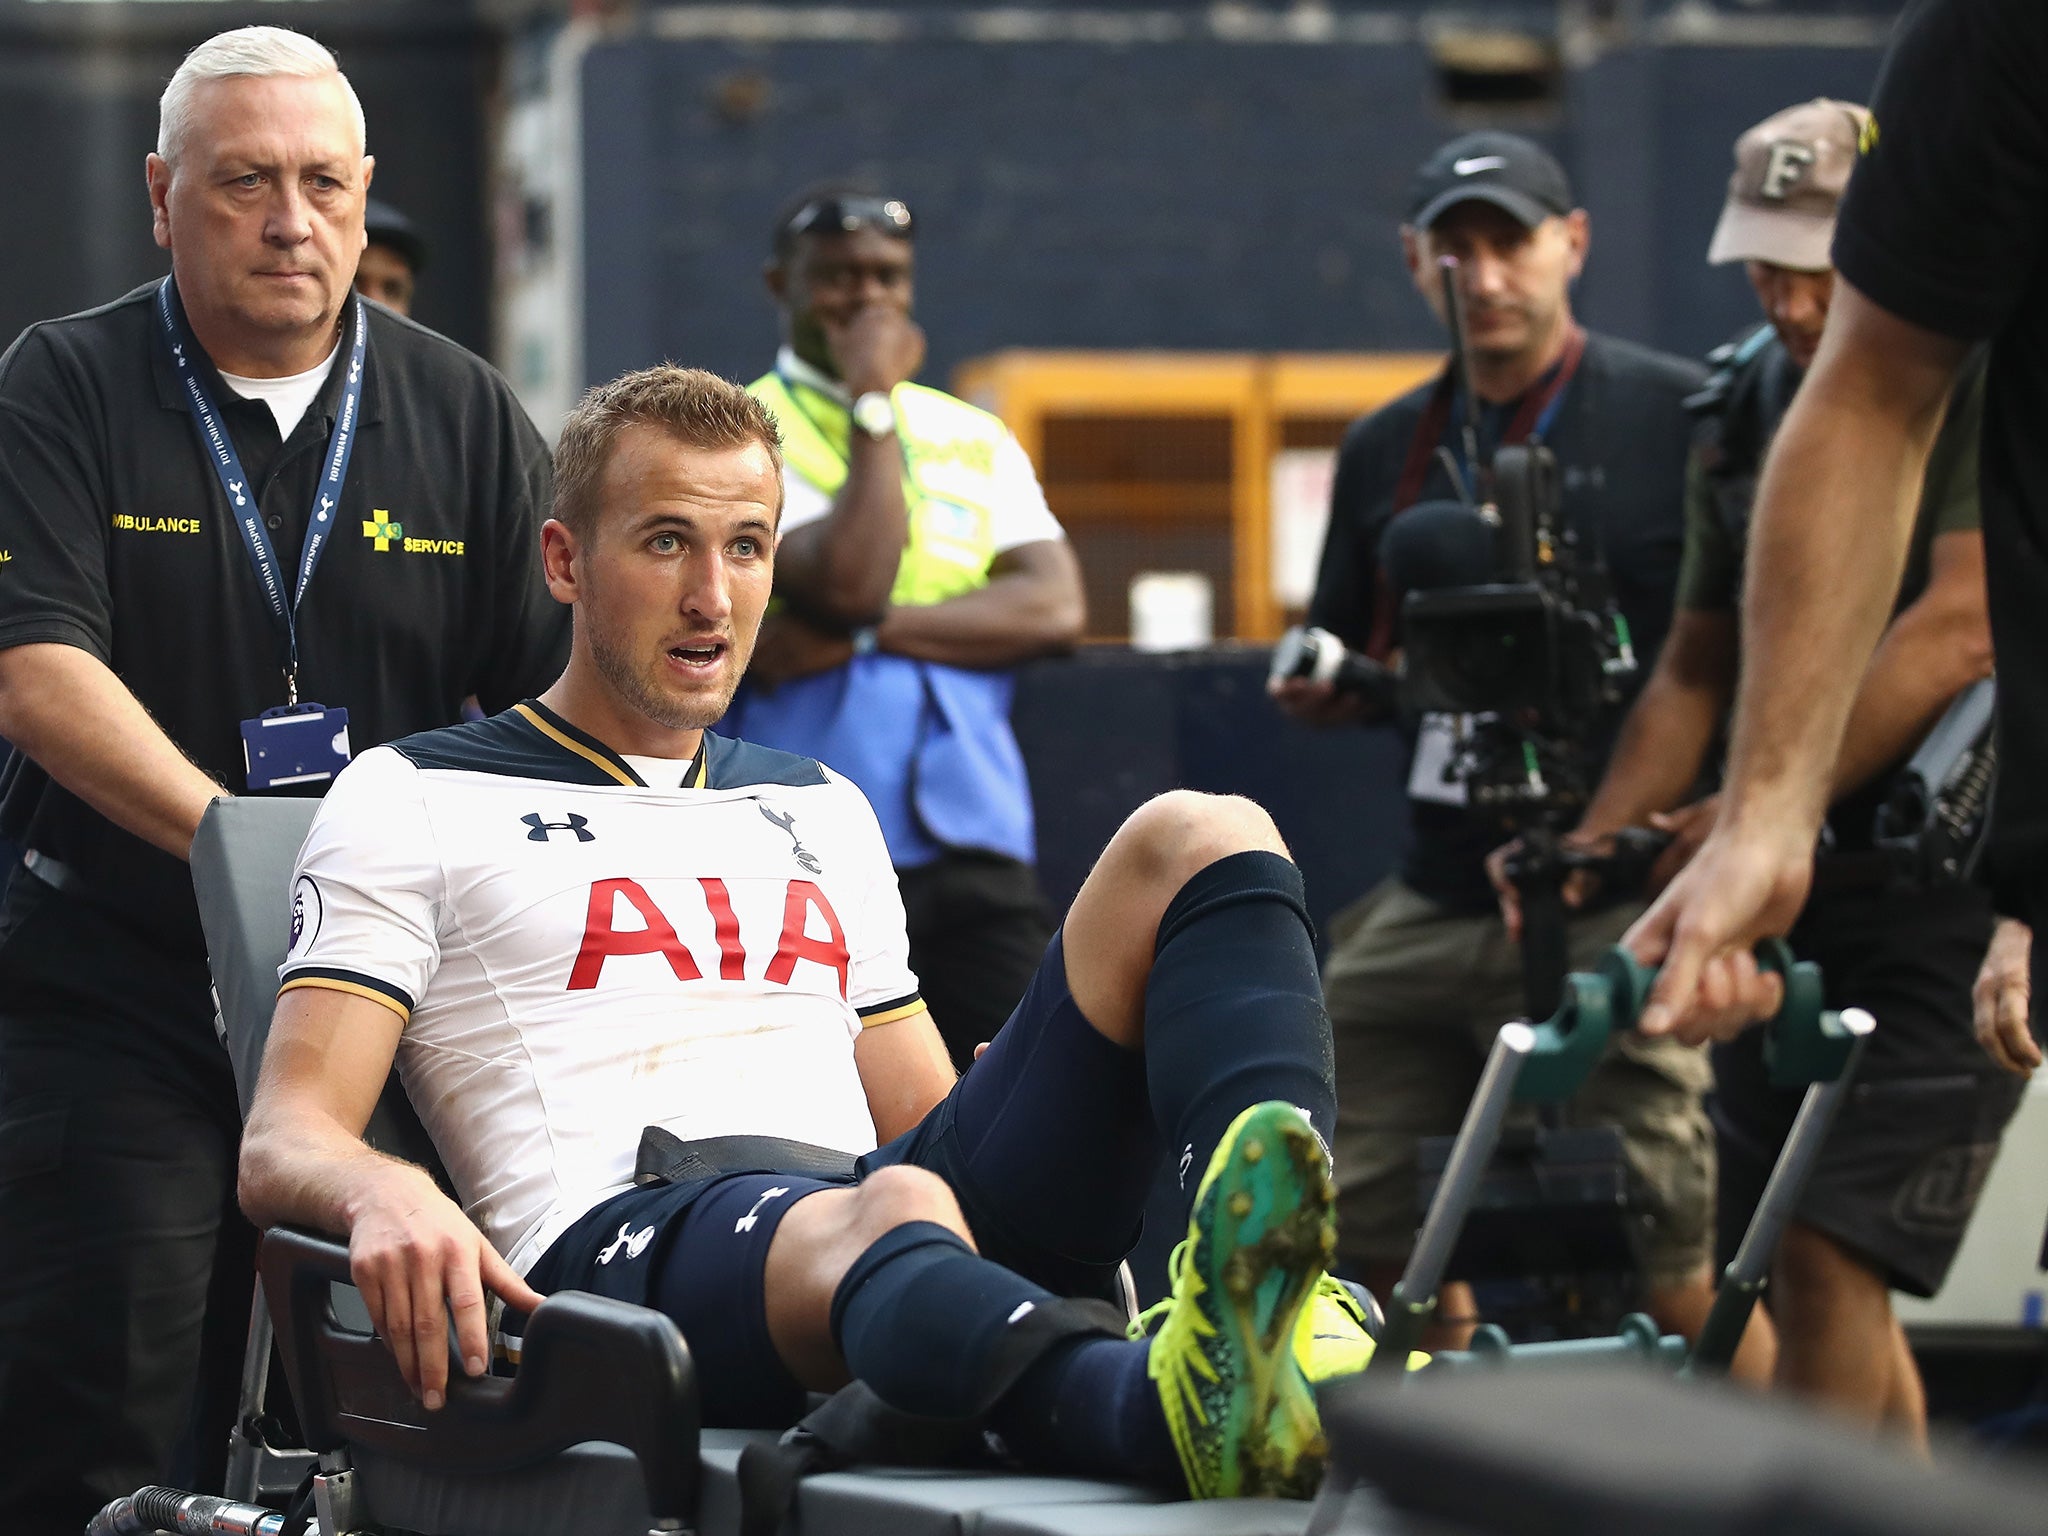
pixel 1089 1410
pixel 1234 1008
pixel 921 1318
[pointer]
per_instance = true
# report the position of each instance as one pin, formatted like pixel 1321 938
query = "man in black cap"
pixel 1422 972
pixel 393 258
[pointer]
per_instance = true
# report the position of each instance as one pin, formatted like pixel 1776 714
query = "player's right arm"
pixel 412 1252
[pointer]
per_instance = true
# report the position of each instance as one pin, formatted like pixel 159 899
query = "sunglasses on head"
pixel 843 215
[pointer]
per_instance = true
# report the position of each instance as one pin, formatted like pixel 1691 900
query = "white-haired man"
pixel 223 497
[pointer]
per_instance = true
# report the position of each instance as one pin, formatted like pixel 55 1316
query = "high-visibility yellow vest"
pixel 949 477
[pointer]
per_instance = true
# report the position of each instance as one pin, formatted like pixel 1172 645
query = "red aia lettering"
pixel 797 944
pixel 601 940
pixel 732 960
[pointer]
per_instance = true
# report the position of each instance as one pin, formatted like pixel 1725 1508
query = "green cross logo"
pixel 375 527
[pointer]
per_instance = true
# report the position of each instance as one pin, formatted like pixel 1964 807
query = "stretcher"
pixel 597 1435
pixel 1805 1044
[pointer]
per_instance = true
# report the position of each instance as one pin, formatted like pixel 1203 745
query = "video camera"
pixel 1510 628
pixel 1532 660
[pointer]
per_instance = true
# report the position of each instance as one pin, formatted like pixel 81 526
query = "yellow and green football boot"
pixel 1242 1414
pixel 1332 1338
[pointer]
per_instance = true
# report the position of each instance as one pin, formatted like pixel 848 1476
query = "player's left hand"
pixel 789 649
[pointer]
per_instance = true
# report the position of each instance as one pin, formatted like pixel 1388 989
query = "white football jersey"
pixel 577 954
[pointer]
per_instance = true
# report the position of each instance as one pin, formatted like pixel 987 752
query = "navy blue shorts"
pixel 1047 1142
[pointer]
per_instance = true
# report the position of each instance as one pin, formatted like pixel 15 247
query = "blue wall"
pixel 1182 194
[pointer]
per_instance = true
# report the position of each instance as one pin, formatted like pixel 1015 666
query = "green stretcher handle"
pixel 1804 1042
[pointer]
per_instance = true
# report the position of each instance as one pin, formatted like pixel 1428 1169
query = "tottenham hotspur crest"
pixel 785 820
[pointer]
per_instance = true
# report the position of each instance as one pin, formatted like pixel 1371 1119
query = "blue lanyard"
pixel 1537 432
pixel 219 447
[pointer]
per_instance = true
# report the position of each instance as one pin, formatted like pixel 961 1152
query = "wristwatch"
pixel 875 414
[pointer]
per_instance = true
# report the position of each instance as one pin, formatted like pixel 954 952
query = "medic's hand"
pixel 2000 1000
pixel 1740 887
pixel 416 1258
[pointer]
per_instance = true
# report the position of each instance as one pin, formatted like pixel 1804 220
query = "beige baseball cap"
pixel 1790 172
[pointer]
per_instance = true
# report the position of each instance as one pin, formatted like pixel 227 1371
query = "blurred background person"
pixel 1892 1194
pixel 393 258
pixel 1422 972
pixel 918 563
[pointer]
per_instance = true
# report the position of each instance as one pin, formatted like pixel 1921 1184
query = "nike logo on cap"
pixel 1478 163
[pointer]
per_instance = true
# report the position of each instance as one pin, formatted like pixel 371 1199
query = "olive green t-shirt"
pixel 1710 570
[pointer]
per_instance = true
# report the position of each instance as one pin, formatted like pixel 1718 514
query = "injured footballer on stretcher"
pixel 589 915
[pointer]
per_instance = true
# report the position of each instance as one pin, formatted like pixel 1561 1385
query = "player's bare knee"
pixel 1175 836
pixel 895 1197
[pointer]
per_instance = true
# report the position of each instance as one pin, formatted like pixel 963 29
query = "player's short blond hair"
pixel 691 405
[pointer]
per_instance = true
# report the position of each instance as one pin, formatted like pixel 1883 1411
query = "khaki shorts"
pixel 1416 993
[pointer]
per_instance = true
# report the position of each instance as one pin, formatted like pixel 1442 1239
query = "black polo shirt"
pixel 115 537
pixel 1620 435
pixel 1946 225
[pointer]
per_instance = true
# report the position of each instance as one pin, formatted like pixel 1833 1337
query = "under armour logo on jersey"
pixel 746 1222
pixel 787 822
pixel 635 1243
pixel 542 830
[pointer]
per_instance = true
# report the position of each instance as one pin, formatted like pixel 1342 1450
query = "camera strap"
pixel 1533 418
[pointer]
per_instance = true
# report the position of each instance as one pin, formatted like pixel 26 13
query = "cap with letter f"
pixel 1514 174
pixel 1790 172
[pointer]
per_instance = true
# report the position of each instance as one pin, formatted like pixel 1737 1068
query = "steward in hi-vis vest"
pixel 917 564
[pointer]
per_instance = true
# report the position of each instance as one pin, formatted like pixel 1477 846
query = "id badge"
pixel 294 744
pixel 1436 744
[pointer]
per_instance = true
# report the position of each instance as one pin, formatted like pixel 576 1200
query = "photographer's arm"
pixel 1834 514
pixel 77 721
pixel 1664 741
pixel 412 1252
pixel 1662 746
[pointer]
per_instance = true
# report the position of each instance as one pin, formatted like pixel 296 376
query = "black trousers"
pixel 127 1270
pixel 978 927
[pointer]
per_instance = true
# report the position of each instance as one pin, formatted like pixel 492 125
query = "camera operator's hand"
pixel 1315 703
pixel 2001 998
pixel 1688 827
pixel 1742 885
pixel 878 347
pixel 1580 886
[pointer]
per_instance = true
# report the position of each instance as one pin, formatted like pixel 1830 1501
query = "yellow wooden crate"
pixel 1164 460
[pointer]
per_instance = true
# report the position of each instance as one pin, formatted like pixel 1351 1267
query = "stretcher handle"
pixel 1804 1042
